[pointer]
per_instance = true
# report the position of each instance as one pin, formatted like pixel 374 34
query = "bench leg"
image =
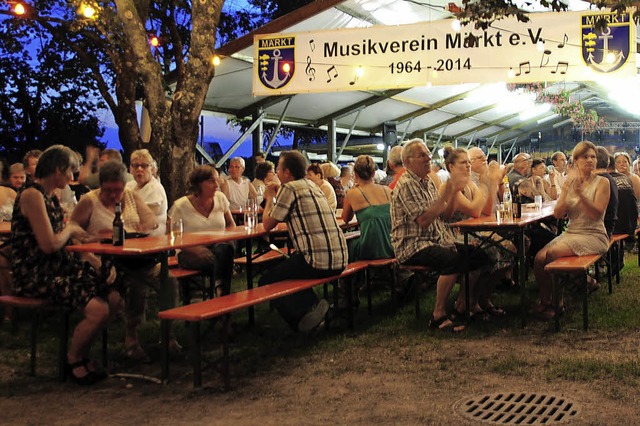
pixel 556 283
pixel 164 333
pixel 609 265
pixel 349 284
pixel 65 315
pixel 196 354
pixel 225 352
pixel 35 323
pixel 585 303
pixel 418 284
pixel 367 283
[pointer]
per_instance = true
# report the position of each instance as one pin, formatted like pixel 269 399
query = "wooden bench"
pixel 422 272
pixel 572 265
pixel 179 273
pixel 37 307
pixel 616 245
pixel 220 306
pixel 264 258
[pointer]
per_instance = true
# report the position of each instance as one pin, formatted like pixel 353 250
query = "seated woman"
pixel 7 198
pixel 370 203
pixel 43 268
pixel 331 174
pixel 541 185
pixel 314 174
pixel 265 174
pixel 95 213
pixel 148 188
pixel 471 202
pixel 584 198
pixel 206 209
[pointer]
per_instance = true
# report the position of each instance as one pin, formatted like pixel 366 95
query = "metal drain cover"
pixel 518 408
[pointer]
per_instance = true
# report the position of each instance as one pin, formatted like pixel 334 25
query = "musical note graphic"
pixel 564 41
pixel 312 45
pixel 562 64
pixel 335 73
pixel 355 78
pixel 309 70
pixel 526 64
pixel 545 55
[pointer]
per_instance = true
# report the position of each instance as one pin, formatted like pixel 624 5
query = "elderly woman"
pixel 584 198
pixel 42 267
pixel 370 203
pixel 206 209
pixel 331 174
pixel 95 213
pixel 148 188
pixel 314 174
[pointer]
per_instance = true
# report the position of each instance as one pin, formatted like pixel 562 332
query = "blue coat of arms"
pixel 607 50
pixel 276 61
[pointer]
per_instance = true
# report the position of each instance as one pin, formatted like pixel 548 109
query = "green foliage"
pixel 47 97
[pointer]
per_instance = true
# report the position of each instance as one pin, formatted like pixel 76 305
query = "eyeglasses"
pixel 422 155
pixel 143 166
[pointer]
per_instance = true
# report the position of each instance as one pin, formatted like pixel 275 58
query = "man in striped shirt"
pixel 420 236
pixel 320 246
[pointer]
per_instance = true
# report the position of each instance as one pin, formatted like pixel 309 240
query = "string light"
pixel 19 9
pixel 154 41
pixel 286 67
pixel 216 60
pixel 86 11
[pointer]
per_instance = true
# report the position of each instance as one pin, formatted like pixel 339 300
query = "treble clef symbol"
pixel 311 71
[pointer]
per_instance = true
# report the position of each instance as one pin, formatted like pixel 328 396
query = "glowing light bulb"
pixel 359 71
pixel 19 9
pixel 88 11
pixel 540 46
pixel 456 25
pixel 153 40
pixel 610 58
pixel 216 60
pixel 286 67
pixel 511 74
pixel 380 146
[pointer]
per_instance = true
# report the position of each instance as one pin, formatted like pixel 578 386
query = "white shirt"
pixel 330 193
pixel 238 193
pixel 194 221
pixel 155 197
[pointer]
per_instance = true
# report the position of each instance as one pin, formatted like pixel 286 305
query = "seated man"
pixel 91 167
pixel 17 176
pixel 421 237
pixel 321 249
pixel 236 187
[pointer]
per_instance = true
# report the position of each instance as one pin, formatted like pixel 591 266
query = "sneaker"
pixel 314 317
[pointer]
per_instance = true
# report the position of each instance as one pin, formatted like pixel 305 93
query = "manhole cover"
pixel 518 408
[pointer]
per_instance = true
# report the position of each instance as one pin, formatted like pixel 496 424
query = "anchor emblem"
pixel 276 65
pixel 607 51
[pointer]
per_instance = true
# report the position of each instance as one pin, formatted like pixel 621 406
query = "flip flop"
pixel 445 324
pixel 136 353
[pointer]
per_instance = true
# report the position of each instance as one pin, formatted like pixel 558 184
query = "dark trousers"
pixel 294 306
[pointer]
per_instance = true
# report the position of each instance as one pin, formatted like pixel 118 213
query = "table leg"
pixel 249 254
pixel 467 289
pixel 522 273
pixel 164 296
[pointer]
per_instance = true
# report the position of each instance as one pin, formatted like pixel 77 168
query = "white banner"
pixel 550 47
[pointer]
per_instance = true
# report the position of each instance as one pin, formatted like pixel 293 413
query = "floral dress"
pixel 60 276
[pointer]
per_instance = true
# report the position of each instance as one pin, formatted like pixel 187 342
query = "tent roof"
pixel 467 111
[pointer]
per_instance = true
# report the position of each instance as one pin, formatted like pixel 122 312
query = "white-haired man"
pixel 236 187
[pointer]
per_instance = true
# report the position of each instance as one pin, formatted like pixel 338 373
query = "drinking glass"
pixel 537 200
pixel 177 227
pixel 250 213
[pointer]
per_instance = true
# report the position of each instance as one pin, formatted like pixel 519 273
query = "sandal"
pixel 592 285
pixel 88 379
pixel 136 353
pixel 95 367
pixel 445 324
